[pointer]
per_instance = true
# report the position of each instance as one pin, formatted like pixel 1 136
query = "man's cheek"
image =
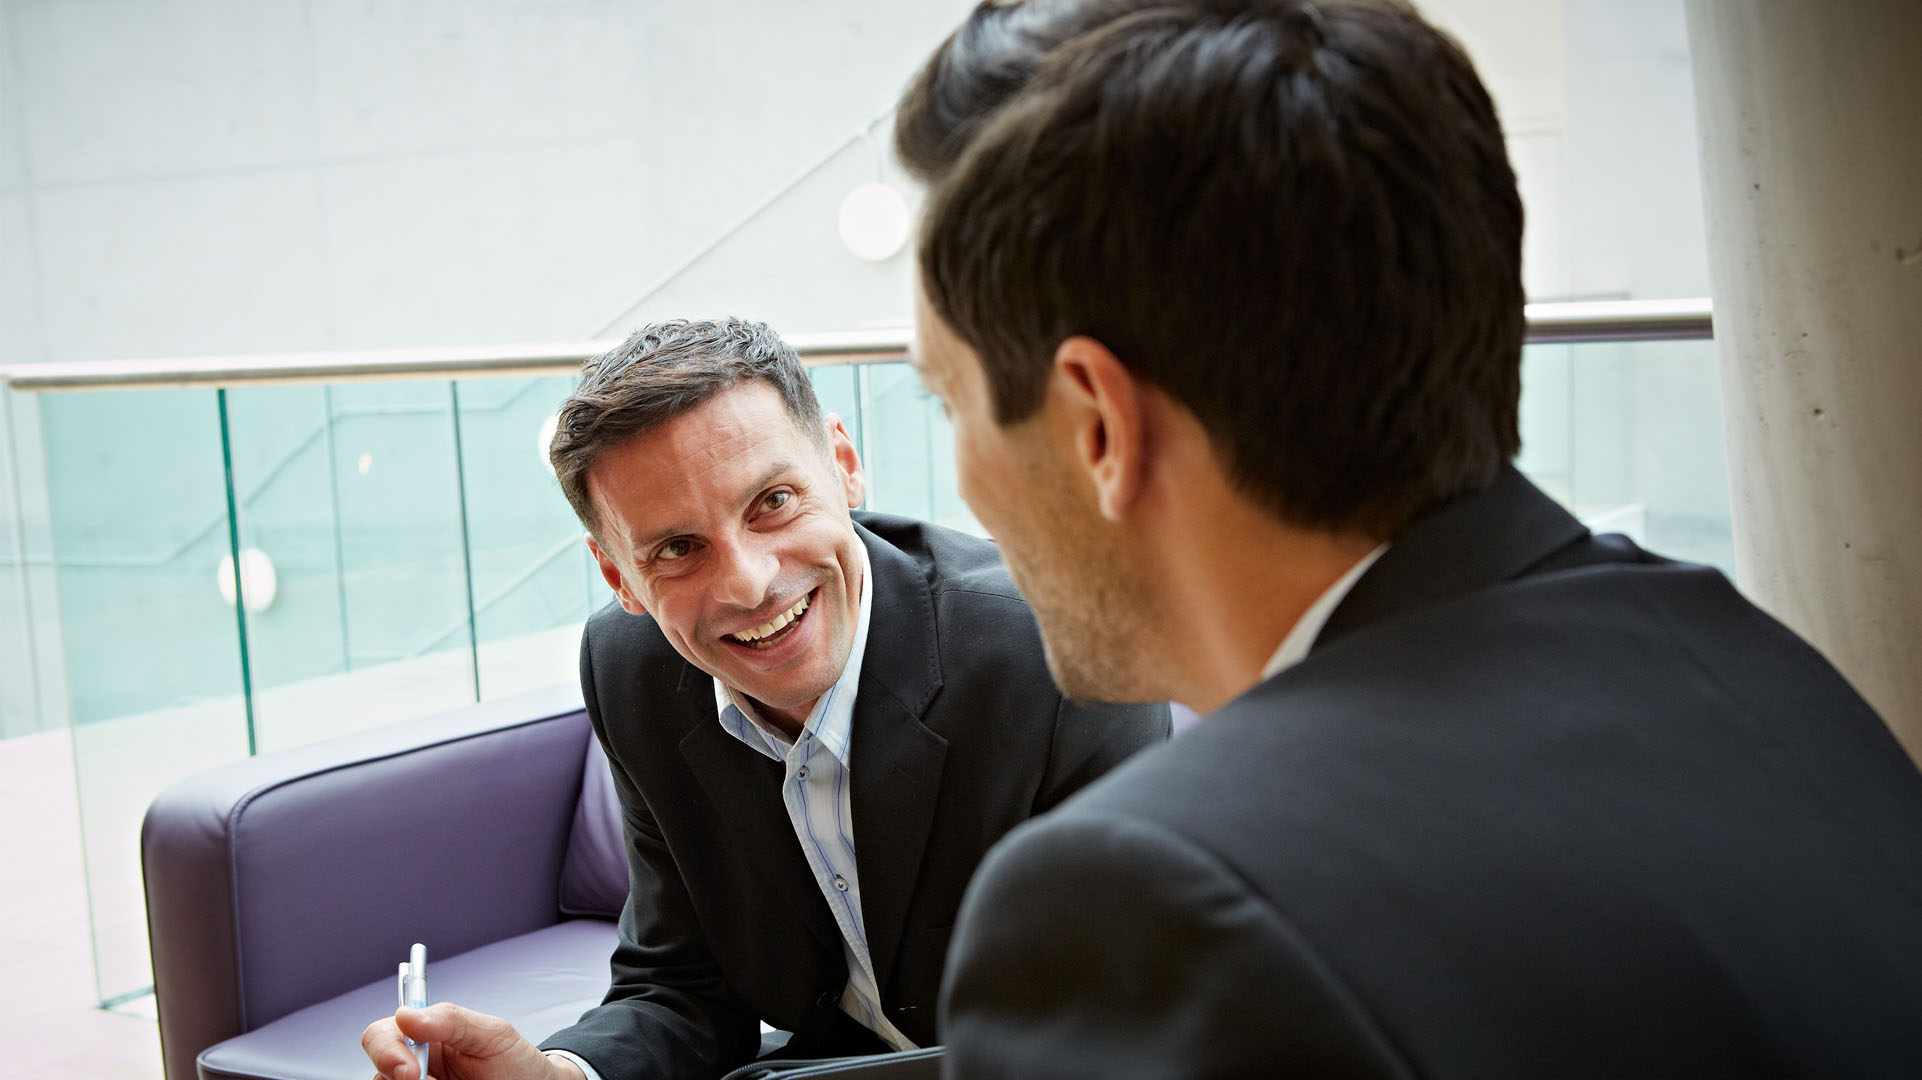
pixel 977 489
pixel 964 465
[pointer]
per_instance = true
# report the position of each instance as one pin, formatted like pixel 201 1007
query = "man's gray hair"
pixel 660 372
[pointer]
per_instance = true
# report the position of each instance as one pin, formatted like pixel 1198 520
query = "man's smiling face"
pixel 730 526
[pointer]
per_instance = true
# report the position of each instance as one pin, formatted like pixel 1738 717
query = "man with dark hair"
pixel 987 60
pixel 1225 302
pixel 817 723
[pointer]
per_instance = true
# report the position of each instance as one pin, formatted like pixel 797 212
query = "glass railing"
pixel 399 547
pixel 1628 435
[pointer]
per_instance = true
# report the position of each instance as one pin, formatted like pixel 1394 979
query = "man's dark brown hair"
pixel 660 372
pixel 1297 219
pixel 988 59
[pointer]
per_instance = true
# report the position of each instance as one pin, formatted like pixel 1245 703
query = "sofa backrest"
pixel 594 874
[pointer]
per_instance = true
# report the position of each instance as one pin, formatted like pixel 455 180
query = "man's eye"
pixel 673 549
pixel 776 499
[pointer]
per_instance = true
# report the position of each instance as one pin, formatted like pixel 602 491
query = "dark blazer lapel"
pixel 897 759
pixel 745 788
pixel 1467 544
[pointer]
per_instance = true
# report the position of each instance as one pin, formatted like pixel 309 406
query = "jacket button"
pixel 828 999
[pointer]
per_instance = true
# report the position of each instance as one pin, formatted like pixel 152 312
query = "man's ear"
pixel 847 463
pixel 1105 409
pixel 612 575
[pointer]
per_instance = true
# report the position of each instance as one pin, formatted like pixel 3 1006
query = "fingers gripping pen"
pixel 413 995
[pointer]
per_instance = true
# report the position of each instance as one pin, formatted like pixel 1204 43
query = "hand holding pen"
pixel 468 1045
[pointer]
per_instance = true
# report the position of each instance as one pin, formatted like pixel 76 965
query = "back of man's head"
pixel 660 372
pixel 1295 218
pixel 988 59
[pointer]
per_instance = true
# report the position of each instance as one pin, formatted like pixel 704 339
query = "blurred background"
pixel 221 178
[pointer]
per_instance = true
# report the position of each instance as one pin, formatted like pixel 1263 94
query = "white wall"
pixel 196 176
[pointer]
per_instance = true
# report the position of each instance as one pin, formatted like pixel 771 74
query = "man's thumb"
pixel 454 1027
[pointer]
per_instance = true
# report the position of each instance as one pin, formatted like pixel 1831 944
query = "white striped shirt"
pixel 817 792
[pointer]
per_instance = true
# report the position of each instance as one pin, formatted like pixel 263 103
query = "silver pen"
pixel 413 995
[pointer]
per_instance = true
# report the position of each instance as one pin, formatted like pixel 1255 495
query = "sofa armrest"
pixel 288 878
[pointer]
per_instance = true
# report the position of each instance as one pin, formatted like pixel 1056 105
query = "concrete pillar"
pixel 1810 120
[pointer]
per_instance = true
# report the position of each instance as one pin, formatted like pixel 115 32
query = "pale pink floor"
pixel 49 1026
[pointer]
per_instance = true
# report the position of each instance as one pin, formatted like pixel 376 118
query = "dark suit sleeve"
pixel 668 1011
pixel 1091 739
pixel 1113 947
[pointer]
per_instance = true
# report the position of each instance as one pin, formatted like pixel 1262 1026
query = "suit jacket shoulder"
pixel 1107 944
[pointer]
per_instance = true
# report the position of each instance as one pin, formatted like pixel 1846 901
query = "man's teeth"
pixel 776 623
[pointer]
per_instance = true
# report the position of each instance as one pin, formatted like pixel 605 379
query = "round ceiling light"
pixel 874 221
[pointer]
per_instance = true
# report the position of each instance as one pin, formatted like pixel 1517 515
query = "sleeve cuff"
pixel 577 1060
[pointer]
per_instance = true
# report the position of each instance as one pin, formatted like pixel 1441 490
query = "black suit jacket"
pixel 958 736
pixel 1537 804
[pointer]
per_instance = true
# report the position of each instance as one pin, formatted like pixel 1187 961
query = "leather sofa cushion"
pixel 542 981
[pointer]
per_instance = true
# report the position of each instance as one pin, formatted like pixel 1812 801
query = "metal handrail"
pixel 1621 320
pixel 1558 323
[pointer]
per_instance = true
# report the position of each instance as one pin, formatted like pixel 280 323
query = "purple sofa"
pixel 283 890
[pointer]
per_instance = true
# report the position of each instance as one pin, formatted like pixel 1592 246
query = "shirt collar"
pixel 1301 637
pixel 831 721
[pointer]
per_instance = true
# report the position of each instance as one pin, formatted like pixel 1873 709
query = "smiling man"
pixel 817 723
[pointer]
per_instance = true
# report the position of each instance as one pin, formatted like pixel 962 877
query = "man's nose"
pixel 747 570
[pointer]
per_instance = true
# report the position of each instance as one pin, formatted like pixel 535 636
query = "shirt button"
pixel 801 773
pixel 841 883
